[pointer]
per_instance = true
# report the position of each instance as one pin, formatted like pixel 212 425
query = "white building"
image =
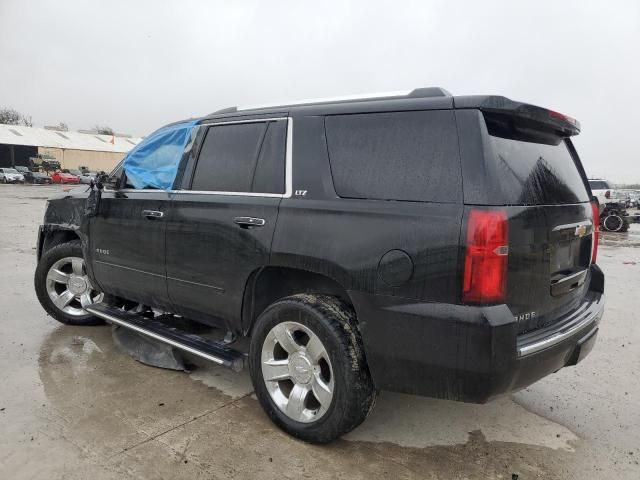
pixel 71 149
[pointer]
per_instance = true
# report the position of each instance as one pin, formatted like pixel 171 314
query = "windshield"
pixel 9 170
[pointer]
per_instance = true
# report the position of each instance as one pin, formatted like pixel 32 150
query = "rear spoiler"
pixel 536 117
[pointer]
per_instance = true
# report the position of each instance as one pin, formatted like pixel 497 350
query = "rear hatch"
pixel 542 188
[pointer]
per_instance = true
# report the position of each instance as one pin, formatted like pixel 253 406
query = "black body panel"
pixel 210 257
pixel 463 353
pixel 128 248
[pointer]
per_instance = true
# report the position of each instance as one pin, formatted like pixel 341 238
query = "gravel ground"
pixel 72 406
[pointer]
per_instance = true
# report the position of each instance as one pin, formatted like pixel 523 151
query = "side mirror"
pixel 92 204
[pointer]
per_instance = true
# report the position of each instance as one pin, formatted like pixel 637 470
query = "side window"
pixel 270 170
pixel 409 156
pixel 246 157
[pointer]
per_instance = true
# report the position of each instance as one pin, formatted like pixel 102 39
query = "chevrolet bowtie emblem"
pixel 581 230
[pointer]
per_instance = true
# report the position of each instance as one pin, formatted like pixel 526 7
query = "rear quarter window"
pixel 411 156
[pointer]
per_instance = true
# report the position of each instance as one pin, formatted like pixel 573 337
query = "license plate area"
pixel 570 257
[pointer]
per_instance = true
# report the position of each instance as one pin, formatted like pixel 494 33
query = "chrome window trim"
pixel 288 167
pixel 252 120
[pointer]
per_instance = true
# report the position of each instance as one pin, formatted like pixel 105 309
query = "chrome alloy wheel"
pixel 69 286
pixel 297 372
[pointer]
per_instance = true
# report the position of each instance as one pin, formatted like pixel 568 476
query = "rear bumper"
pixel 466 353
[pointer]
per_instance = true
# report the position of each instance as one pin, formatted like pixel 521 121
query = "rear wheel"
pixel 308 367
pixel 63 287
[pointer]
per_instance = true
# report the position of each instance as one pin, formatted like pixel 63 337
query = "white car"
pixel 603 192
pixel 10 175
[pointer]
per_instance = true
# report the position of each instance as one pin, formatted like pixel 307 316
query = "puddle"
pixel 630 238
pixel 231 383
pixel 75 352
pixel 418 422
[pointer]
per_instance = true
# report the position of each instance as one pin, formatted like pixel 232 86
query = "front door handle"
pixel 249 222
pixel 152 214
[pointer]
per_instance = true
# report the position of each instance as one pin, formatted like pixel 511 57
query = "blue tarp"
pixel 153 163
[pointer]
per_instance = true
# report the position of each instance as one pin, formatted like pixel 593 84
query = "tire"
pixel 334 363
pixel 59 281
pixel 614 223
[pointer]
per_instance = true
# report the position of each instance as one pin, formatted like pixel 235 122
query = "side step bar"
pixel 202 347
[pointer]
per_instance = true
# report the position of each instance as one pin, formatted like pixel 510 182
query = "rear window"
pixel 534 168
pixel 598 185
pixel 409 156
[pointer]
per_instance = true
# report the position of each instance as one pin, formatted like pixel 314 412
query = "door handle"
pixel 249 222
pixel 152 214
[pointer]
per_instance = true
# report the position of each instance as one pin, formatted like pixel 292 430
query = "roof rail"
pixel 424 92
pixel 225 110
pixel 429 92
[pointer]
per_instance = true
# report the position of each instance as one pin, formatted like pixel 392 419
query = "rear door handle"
pixel 249 222
pixel 152 214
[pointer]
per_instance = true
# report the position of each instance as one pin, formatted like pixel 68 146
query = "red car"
pixel 61 177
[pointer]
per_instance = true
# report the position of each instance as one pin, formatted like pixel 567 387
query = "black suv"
pixel 421 243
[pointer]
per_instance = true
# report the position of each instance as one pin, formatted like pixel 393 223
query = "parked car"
pixel 87 177
pixel 11 175
pixel 21 169
pixel 428 244
pixel 62 177
pixel 37 178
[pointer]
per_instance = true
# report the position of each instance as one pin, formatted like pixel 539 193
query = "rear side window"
pixel 534 168
pixel 242 158
pixel 410 156
pixel 270 170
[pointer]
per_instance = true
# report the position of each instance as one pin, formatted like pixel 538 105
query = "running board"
pixel 188 342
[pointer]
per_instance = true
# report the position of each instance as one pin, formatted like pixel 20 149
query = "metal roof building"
pixel 72 149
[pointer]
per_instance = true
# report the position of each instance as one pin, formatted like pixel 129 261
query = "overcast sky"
pixel 136 65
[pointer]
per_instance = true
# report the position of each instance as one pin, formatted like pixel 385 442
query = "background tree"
pixel 63 127
pixel 9 116
pixel 104 130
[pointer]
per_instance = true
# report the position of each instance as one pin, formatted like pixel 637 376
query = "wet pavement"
pixel 72 406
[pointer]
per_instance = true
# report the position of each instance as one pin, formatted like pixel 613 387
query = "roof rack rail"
pixel 425 92
pixel 225 110
pixel 429 92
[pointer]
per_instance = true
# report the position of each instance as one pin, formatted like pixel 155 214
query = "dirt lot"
pixel 72 406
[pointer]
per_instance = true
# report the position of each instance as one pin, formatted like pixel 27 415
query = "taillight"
pixel 596 230
pixel 485 263
pixel 607 194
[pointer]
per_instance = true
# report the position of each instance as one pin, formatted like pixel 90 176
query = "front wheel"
pixel 308 367
pixel 63 287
